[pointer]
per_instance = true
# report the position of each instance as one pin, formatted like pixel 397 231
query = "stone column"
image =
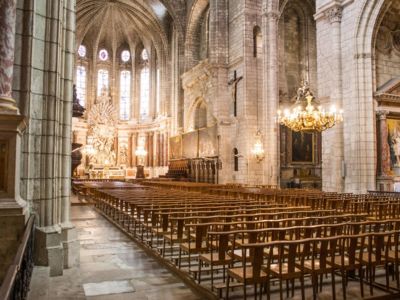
pixel 384 159
pixel 13 210
pixel 271 94
pixel 333 173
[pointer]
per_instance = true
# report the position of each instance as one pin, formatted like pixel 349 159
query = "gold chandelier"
pixel 304 116
pixel 258 148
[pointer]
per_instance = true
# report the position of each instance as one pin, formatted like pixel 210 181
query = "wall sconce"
pixel 258 148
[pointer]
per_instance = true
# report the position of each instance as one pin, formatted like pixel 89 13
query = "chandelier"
pixel 258 149
pixel 305 116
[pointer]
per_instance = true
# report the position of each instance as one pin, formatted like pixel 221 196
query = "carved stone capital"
pixel 382 114
pixel 334 14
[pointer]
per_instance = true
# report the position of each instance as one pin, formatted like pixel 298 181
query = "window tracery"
pixel 125 95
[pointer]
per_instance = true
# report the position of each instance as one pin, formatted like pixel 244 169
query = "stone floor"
pixel 112 267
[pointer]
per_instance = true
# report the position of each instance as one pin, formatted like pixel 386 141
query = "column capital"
pixel 334 14
pixel 271 14
pixel 382 114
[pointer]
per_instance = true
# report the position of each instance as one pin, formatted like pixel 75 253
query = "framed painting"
pixel 302 147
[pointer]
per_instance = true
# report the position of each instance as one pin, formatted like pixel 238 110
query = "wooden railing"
pixel 16 282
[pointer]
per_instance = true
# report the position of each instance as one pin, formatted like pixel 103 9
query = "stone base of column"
pixel 57 247
pixel 71 245
pixel 49 250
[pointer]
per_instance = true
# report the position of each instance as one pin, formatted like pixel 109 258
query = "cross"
pixel 234 81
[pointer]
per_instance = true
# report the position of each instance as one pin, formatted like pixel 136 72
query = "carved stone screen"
pixel 190 142
pixel 3 165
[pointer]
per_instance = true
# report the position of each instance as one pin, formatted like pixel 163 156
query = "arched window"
pixel 125 56
pixel 125 95
pixel 103 54
pixel 144 92
pixel 235 159
pixel 82 51
pixel 145 55
pixel 81 84
pixel 257 41
pixel 102 81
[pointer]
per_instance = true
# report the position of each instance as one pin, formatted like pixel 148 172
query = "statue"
pixel 102 121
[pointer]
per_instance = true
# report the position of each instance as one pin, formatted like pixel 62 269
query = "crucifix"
pixel 234 82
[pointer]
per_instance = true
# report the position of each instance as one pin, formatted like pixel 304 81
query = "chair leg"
pixel 280 289
pixel 344 284
pixel 361 273
pixel 303 296
pixel 287 288
pixel 244 291
pixel 333 285
pixel 227 287
pixel 199 273
pixel 267 288
pixel 255 291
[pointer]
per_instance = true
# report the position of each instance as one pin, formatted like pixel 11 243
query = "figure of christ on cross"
pixel 234 82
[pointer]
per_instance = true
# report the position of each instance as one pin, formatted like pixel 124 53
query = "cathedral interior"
pixel 199 149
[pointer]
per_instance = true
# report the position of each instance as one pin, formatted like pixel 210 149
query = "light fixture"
pixel 304 116
pixel 258 148
pixel 140 152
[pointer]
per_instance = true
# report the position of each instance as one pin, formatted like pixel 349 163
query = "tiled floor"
pixel 108 257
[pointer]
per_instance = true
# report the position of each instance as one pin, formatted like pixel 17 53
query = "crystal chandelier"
pixel 258 149
pixel 304 116
pixel 141 154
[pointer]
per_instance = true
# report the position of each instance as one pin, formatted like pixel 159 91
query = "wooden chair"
pixel 250 270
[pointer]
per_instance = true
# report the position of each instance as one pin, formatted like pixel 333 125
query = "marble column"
pixel 384 159
pixel 7 38
pixel 271 94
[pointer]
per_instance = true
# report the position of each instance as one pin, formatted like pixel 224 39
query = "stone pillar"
pixel 134 146
pixel 384 181
pixel 271 94
pixel 13 209
pixel 333 160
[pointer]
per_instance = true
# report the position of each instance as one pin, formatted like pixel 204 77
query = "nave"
pixel 285 243
pixel 120 267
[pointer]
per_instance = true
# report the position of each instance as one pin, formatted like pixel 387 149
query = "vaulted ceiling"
pixel 116 23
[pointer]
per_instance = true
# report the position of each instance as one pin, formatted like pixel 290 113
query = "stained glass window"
pixel 144 92
pixel 125 95
pixel 125 56
pixel 81 84
pixel 103 54
pixel 102 81
pixel 145 55
pixel 82 51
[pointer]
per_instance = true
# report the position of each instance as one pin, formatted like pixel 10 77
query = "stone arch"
pixel 192 41
pixel 198 116
pixel 362 93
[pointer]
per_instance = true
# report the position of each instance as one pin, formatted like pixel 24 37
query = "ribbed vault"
pixel 112 23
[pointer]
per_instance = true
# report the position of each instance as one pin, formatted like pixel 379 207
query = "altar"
pixel 105 172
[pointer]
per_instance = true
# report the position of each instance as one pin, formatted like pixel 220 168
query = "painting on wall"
pixel 302 147
pixel 208 141
pixel 394 143
pixel 175 147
